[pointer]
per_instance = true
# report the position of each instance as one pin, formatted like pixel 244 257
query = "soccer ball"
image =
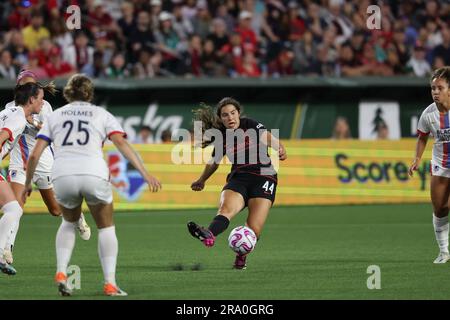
pixel 242 240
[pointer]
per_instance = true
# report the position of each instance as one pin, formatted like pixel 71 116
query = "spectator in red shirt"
pixel 245 29
pixel 56 67
pixel 20 17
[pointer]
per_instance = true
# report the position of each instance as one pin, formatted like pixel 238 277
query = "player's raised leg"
pixel 440 192
pixel 231 203
pixel 108 246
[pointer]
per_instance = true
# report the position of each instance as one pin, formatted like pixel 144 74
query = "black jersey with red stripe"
pixel 245 149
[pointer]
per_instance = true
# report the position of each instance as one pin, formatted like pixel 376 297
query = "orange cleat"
pixel 113 291
pixel 61 281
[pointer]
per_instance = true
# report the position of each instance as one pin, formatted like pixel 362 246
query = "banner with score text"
pixel 317 172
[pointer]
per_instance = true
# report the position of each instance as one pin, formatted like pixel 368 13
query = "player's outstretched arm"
pixel 420 148
pixel 127 151
pixel 275 144
pixel 209 170
pixel 32 163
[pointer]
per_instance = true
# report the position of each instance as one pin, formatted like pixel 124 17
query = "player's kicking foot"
pixel 443 257
pixel 240 263
pixel 61 281
pixel 204 235
pixel 7 268
pixel 113 291
pixel 83 228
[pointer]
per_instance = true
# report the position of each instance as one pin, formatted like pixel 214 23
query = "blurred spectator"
pixel 35 31
pixel 166 136
pixel 171 43
pixel 145 135
pixel 201 22
pixel 283 65
pixel 418 65
pixel 33 66
pixel 141 37
pixel 219 35
pixel 341 129
pixel 59 33
pixel 248 36
pixel 117 68
pixel 80 53
pixel 143 68
pixel 443 50
pixel 210 61
pixel 17 49
pixel 20 17
pixel 195 54
pixel 7 69
pixel 96 69
pixel 56 67
pixel 127 22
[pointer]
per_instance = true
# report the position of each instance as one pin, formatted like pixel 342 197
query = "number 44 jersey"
pixel 78 131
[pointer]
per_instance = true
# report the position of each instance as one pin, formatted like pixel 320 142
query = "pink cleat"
pixel 204 235
pixel 240 263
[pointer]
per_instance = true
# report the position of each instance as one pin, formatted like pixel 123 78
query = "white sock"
pixel 12 236
pixel 441 231
pixel 108 248
pixel 11 216
pixel 65 241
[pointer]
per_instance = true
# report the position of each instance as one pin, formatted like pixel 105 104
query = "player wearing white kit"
pixel 435 120
pixel 42 178
pixel 29 99
pixel 78 131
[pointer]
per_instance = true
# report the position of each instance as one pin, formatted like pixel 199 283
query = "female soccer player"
pixel 29 100
pixel 435 119
pixel 78 131
pixel 252 181
pixel 42 178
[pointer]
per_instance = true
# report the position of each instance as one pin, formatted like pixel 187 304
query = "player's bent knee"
pixel 441 212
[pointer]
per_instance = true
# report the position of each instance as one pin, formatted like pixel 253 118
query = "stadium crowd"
pixel 223 38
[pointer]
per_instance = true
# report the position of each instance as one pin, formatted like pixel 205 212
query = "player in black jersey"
pixel 252 181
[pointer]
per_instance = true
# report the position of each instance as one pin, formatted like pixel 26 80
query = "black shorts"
pixel 253 186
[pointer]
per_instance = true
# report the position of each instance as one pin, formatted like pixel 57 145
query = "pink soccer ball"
pixel 242 240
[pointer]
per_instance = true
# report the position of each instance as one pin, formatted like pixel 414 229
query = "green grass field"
pixel 319 252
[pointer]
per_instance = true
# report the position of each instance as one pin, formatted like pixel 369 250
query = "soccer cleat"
pixel 83 228
pixel 61 281
pixel 113 291
pixel 240 263
pixel 443 257
pixel 204 235
pixel 7 255
pixel 6 268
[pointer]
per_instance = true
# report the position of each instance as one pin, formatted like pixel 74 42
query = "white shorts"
pixel 43 180
pixel 437 170
pixel 71 190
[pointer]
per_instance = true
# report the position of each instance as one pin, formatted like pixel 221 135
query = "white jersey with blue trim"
pixel 13 121
pixel 78 131
pixel 437 123
pixel 22 148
